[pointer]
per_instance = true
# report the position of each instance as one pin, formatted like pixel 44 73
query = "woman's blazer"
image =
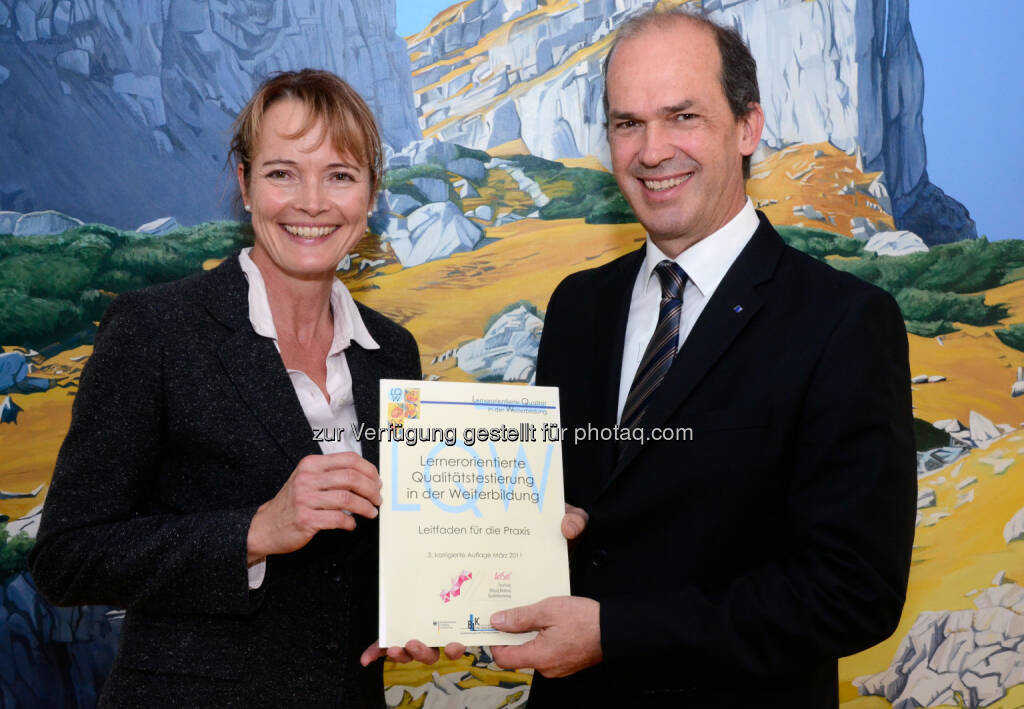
pixel 184 423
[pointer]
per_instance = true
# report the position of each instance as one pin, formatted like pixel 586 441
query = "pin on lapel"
pixel 737 308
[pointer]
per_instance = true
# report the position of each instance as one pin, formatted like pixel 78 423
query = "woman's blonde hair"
pixel 350 124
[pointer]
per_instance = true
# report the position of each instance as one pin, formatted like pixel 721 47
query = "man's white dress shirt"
pixel 705 263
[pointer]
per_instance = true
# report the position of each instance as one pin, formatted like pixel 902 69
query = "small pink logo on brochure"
pixel 456 587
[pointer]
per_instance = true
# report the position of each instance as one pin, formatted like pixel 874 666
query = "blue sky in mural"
pixel 972 56
pixel 414 15
pixel 971 52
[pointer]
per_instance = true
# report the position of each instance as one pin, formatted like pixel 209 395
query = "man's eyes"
pixel 628 124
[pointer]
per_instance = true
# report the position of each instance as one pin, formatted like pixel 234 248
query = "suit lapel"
pixel 611 309
pixel 734 304
pixel 613 299
pixel 254 366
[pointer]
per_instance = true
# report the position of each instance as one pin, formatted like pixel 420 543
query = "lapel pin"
pixel 737 308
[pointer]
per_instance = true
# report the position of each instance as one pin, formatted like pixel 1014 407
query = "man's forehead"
pixel 688 37
pixel 664 67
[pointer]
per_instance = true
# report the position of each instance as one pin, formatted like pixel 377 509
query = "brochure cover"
pixel 473 503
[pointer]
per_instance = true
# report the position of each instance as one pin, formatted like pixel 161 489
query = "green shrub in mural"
pixel 962 267
pixel 930 328
pixel 14 551
pixel 52 287
pixel 819 243
pixel 927 437
pixel 932 288
pixel 592 196
pixel 923 305
pixel 1012 336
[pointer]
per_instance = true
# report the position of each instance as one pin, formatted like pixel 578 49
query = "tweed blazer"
pixel 184 423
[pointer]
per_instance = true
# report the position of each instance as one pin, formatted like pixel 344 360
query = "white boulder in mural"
pixel 895 243
pixel 433 231
pixel 160 226
pixel 47 221
pixel 508 350
pixel 973 655
pixel 1014 529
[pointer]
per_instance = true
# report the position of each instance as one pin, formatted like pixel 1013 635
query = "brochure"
pixel 473 503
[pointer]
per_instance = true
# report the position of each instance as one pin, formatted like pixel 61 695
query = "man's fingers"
pixel 518 620
pixel 513 657
pixel 574 521
pixel 574 510
pixel 572 526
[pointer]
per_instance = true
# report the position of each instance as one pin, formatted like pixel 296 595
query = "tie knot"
pixel 672 278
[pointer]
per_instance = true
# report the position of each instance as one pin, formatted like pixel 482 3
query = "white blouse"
pixel 336 417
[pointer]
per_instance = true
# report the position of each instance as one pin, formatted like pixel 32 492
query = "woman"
pixel 190 490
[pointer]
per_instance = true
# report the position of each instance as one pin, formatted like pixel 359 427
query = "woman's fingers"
pixel 323 492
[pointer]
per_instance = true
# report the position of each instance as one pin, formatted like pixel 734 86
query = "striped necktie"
pixel 661 350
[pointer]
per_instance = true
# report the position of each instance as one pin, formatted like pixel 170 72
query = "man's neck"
pixel 673 245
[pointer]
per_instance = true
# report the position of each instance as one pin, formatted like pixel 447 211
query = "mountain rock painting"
pixel 114 128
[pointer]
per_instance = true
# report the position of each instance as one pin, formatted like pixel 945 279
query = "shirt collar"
pixel 348 325
pixel 707 261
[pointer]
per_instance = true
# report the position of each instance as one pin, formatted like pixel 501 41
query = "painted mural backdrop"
pixel 113 124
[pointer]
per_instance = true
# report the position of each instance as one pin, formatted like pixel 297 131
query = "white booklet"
pixel 473 503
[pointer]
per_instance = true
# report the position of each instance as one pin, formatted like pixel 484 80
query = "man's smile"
pixel 665 184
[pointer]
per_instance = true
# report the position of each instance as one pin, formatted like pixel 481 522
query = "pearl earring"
pixel 248 208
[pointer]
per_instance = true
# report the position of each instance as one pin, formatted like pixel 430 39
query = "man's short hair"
pixel 739 70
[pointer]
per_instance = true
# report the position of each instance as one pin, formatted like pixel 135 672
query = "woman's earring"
pixel 248 208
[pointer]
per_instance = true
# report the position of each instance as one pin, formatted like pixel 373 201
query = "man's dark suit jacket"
pixel 185 422
pixel 733 569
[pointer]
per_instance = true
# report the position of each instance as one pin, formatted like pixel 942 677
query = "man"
pixel 732 563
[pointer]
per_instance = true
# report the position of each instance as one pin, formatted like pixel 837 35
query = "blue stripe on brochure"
pixel 487 403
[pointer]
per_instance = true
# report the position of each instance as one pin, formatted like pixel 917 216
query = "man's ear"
pixel 751 127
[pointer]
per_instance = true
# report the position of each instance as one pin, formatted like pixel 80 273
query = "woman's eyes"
pixel 336 177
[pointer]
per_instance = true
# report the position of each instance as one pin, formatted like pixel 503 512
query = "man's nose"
pixel 656 147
